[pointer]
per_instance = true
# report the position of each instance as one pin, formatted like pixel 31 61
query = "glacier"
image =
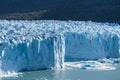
pixel 84 48
pixel 37 54
pixel 45 44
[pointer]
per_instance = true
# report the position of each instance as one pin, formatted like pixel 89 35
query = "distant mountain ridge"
pixel 95 10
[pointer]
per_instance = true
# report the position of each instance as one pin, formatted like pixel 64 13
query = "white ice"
pixel 43 44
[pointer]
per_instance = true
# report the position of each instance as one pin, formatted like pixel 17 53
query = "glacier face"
pixel 37 54
pixel 32 45
pixel 80 47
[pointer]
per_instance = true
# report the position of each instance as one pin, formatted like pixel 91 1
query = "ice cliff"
pixel 32 45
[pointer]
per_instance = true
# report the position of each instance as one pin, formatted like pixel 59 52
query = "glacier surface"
pixel 44 44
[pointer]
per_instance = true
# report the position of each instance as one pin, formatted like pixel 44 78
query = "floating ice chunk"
pixel 95 65
pixel 89 65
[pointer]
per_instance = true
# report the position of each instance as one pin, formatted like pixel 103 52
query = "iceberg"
pixel 45 44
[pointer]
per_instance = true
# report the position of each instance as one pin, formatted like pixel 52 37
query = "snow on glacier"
pixel 32 45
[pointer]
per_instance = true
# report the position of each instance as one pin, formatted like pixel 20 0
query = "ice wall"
pixel 85 47
pixel 32 45
pixel 34 55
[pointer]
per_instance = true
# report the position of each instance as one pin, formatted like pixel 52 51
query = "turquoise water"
pixel 72 71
